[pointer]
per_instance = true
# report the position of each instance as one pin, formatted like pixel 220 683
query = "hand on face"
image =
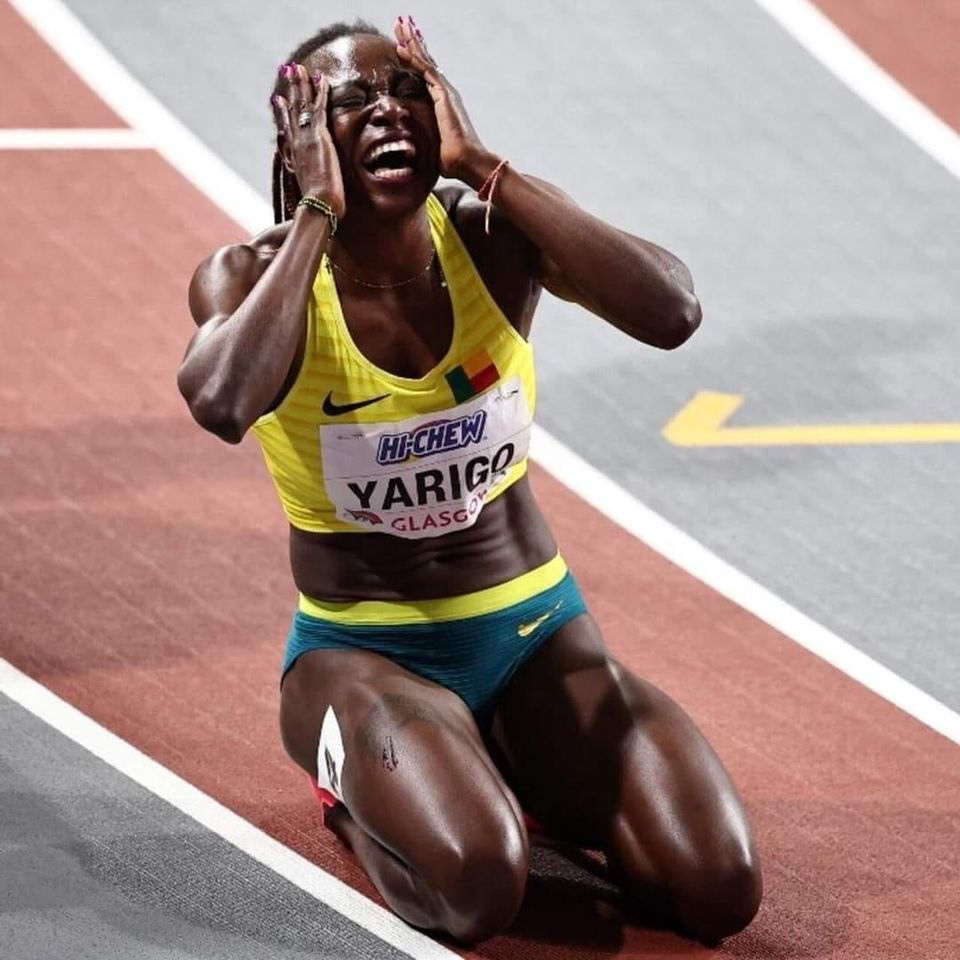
pixel 460 147
pixel 308 148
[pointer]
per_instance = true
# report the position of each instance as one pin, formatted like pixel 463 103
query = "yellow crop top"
pixel 354 448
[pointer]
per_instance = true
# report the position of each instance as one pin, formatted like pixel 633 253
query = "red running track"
pixel 144 580
pixel 917 42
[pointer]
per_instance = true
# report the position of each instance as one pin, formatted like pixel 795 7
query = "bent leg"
pixel 425 810
pixel 607 760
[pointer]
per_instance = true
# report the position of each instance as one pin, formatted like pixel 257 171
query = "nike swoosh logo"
pixel 525 629
pixel 332 409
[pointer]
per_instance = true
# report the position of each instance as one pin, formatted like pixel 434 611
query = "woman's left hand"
pixel 462 155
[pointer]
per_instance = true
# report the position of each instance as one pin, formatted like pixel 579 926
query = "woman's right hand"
pixel 309 149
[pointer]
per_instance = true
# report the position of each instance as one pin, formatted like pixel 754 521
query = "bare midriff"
pixel 509 538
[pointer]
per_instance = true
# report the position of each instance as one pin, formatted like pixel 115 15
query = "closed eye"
pixel 349 103
pixel 349 98
pixel 411 86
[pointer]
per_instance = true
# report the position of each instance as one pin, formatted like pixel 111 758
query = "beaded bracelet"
pixel 314 203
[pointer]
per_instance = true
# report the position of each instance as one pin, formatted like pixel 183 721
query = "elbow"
pixel 219 419
pixel 227 428
pixel 679 322
pixel 211 410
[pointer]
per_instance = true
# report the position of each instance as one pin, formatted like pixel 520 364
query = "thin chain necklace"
pixel 390 286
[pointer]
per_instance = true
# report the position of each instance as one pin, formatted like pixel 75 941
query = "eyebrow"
pixel 356 80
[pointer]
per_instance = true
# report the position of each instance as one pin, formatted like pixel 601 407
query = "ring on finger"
pixel 304 118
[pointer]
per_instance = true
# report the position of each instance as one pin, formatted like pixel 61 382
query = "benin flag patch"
pixel 473 376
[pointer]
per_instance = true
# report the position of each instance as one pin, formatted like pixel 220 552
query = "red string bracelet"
pixel 489 188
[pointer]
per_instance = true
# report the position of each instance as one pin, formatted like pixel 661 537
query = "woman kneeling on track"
pixel 442 674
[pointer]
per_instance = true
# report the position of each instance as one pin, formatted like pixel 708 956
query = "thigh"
pixel 416 775
pixel 606 760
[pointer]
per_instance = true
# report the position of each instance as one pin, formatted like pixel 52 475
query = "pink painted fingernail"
pixel 419 35
pixel 399 19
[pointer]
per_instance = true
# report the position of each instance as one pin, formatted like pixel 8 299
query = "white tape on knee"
pixel 330 755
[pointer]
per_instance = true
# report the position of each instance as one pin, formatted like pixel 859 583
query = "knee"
pixel 480 886
pixel 704 897
pixel 713 901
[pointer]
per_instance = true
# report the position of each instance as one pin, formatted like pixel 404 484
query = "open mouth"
pixel 394 160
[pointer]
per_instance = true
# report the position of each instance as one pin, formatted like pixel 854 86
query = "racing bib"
pixel 427 475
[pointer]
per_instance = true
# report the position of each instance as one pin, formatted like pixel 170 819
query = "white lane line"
pixel 215 817
pixel 814 31
pixel 69 138
pixel 680 548
pixel 142 112
pixel 185 152
pixel 199 165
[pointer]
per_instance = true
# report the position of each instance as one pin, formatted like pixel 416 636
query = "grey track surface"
pixel 94 867
pixel 822 242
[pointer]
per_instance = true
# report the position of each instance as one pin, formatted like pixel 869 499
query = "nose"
pixel 388 109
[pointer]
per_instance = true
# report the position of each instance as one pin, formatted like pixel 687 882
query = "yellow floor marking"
pixel 701 424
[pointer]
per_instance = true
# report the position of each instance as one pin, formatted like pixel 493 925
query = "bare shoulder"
pixel 507 261
pixel 468 213
pixel 223 280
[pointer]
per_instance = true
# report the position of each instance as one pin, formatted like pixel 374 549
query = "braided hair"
pixel 286 190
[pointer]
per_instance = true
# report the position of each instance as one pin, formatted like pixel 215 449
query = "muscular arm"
pixel 250 305
pixel 633 284
pixel 250 302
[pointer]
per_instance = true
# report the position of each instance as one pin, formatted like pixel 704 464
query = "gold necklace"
pixel 390 286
